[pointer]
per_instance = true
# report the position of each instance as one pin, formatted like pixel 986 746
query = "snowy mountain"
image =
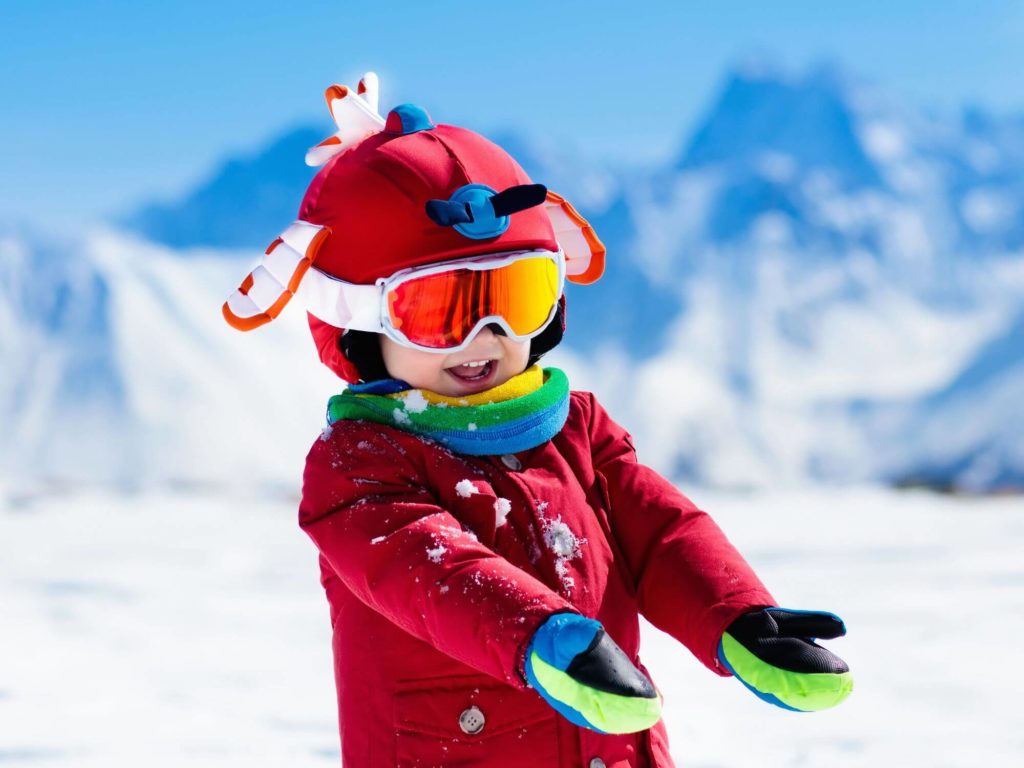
pixel 807 120
pixel 245 203
pixel 836 274
pixel 60 370
pixel 118 368
pixel 966 434
pixel 823 285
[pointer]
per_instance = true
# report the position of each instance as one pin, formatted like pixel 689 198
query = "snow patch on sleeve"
pixel 400 416
pixel 562 569
pixel 465 488
pixel 501 509
pixel 326 432
pixel 451 530
pixel 560 539
pixel 562 543
pixel 434 555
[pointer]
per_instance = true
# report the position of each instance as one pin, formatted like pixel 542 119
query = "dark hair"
pixel 362 348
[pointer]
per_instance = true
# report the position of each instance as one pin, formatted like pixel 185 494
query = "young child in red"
pixel 487 537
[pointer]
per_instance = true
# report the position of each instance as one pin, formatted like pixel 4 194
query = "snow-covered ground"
pixel 174 629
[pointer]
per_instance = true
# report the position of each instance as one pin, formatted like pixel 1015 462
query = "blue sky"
pixel 108 104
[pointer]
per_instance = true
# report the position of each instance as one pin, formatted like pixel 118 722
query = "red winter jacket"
pixel 432 602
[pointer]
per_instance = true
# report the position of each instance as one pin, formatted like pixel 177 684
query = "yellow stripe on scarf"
pixel 526 382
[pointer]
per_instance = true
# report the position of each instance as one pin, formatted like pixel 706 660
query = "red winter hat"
pixel 365 215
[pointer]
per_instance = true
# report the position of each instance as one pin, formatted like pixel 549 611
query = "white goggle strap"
pixel 343 305
pixel 584 252
pixel 268 288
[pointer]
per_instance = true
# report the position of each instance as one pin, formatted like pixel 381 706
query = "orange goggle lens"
pixel 441 310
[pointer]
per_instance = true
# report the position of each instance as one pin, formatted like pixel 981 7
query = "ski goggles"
pixel 442 307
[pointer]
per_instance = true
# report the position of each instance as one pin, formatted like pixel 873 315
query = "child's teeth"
pixel 470 369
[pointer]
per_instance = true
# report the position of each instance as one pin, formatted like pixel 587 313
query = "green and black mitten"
pixel 773 653
pixel 581 672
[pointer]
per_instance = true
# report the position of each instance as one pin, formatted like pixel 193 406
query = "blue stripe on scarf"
pixel 379 387
pixel 520 435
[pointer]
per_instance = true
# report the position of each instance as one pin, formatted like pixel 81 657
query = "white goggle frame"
pixel 365 307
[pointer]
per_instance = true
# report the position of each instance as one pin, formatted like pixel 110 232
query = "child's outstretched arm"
pixel 693 584
pixel 410 560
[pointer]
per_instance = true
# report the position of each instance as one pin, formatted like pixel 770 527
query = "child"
pixel 487 538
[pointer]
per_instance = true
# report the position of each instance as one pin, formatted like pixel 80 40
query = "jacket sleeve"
pixel 366 508
pixel 690 580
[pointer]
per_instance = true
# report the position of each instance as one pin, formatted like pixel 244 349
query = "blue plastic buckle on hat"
pixel 485 223
pixel 478 212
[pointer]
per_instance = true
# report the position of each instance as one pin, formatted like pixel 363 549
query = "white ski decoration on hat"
pixel 355 114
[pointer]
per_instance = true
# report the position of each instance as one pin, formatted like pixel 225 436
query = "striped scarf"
pixel 522 413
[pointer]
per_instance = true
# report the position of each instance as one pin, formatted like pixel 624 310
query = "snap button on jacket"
pixel 510 461
pixel 439 567
pixel 471 721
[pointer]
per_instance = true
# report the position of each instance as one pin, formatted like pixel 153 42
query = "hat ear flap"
pixel 328 345
pixel 584 251
pixel 268 288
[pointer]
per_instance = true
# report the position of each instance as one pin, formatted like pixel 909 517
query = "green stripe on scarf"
pixel 507 426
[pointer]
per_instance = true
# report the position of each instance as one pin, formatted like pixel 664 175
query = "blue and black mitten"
pixel 580 671
pixel 772 652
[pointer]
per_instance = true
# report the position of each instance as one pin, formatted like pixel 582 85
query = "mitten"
pixel 580 671
pixel 772 652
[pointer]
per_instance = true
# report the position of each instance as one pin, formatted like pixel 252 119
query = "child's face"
pixel 448 374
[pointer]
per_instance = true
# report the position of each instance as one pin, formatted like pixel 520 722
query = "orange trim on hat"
pixel 250 322
pixel 303 266
pixel 243 323
pixel 335 92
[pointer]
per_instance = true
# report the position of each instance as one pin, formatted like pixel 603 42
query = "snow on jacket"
pixel 438 568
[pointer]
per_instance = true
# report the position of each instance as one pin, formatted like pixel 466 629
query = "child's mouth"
pixel 474 371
